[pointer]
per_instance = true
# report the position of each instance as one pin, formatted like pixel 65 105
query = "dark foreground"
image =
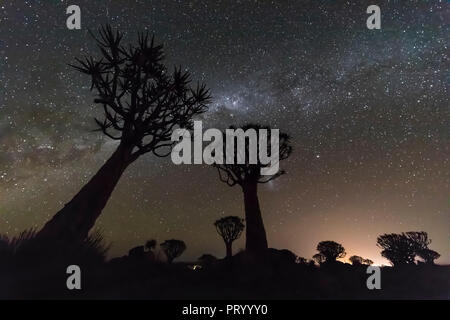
pixel 275 275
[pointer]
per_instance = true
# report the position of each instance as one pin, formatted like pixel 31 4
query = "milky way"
pixel 368 112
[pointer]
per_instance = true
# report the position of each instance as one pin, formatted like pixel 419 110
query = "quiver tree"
pixel 142 103
pixel 397 248
pixel 247 174
pixel 402 249
pixel 331 250
pixel 173 249
pixel 230 229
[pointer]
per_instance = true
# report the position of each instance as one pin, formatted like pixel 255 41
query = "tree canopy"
pixel 331 250
pixel 142 101
pixel 173 249
pixel 229 228
pixel 402 249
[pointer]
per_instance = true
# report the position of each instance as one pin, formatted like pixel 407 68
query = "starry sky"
pixel 368 112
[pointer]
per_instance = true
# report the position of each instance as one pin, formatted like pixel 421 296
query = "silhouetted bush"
pixel 33 267
pixel 301 260
pixel 173 249
pixel 357 261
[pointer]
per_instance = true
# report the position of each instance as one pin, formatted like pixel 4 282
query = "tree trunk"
pixel 228 245
pixel 73 222
pixel 256 240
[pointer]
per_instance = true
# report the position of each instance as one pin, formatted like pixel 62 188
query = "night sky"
pixel 367 110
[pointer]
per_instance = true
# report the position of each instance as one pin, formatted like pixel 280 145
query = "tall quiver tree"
pixel 142 103
pixel 230 229
pixel 248 175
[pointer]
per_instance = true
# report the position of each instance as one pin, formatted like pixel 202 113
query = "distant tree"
pixel 331 250
pixel 248 175
pixel 142 103
pixel 301 260
pixel 306 262
pixel 319 258
pixel 229 228
pixel 357 260
pixel 402 249
pixel 428 255
pixel 399 249
pixel 173 249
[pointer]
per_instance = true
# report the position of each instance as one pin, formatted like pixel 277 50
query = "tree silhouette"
pixel 357 260
pixel 428 255
pixel 402 249
pixel 319 258
pixel 230 229
pixel 301 260
pixel 399 249
pixel 248 176
pixel 331 250
pixel 173 249
pixel 142 103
